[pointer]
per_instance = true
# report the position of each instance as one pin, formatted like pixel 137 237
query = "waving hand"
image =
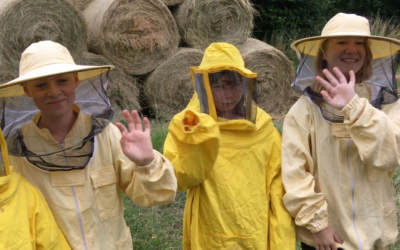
pixel 338 92
pixel 136 143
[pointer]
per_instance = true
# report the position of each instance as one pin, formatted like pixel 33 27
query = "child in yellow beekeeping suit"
pixel 226 153
pixel 26 221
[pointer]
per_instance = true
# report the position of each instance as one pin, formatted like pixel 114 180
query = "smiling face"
pixel 346 53
pixel 54 96
pixel 227 92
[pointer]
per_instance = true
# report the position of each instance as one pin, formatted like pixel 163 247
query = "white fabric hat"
pixel 47 58
pixel 348 25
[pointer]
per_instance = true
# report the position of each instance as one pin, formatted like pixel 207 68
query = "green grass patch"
pixel 155 228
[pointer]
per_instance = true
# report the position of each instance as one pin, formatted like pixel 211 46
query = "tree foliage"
pixel 311 15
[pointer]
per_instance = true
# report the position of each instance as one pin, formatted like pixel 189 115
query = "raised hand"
pixel 136 143
pixel 338 92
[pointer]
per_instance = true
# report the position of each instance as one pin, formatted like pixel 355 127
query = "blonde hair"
pixel 363 74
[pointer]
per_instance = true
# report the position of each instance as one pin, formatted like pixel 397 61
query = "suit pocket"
pixel 108 201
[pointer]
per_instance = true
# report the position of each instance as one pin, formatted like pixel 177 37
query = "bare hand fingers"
pixel 352 77
pixel 137 121
pixel 331 79
pixel 146 125
pixel 339 74
pixel 326 97
pixel 327 85
pixel 337 239
pixel 121 128
pixel 129 120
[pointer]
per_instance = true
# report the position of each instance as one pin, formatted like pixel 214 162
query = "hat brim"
pixel 14 88
pixel 216 68
pixel 380 46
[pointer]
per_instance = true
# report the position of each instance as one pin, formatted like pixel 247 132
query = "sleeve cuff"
pixel 352 109
pixel 318 226
pixel 152 163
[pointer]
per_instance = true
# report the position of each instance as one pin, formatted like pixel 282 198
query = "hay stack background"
pixel 7 75
pixel 169 88
pixel 136 35
pixel 172 2
pixel 202 22
pixel 23 22
pixel 122 88
pixel 80 4
pixel 274 75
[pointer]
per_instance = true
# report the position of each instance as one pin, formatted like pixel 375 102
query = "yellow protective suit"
pixel 26 221
pixel 87 203
pixel 231 169
pixel 338 174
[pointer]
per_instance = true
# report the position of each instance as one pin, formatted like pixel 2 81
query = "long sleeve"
pixel 308 207
pixel 150 185
pixel 376 133
pixel 192 146
pixel 281 227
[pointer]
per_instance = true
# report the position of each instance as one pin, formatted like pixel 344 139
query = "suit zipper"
pixel 78 212
pixel 352 196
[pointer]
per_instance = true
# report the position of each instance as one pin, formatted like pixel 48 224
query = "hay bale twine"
pixel 80 4
pixel 274 75
pixel 23 22
pixel 169 88
pixel 172 2
pixel 122 88
pixel 136 35
pixel 202 22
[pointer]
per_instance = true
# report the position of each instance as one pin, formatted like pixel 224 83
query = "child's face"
pixel 346 53
pixel 226 93
pixel 54 96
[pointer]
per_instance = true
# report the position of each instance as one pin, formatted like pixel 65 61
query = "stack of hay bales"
pixel 23 22
pixel 152 48
pixel 169 88
pixel 136 35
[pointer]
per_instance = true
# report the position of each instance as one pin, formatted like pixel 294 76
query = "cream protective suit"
pixel 338 174
pixel 87 203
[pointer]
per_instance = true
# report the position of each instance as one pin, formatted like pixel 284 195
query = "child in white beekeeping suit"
pixel 341 139
pixel 58 130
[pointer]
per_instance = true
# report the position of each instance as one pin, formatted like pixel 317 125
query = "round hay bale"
pixel 23 22
pixel 122 88
pixel 7 74
pixel 80 4
pixel 136 35
pixel 274 75
pixel 172 2
pixel 169 88
pixel 203 22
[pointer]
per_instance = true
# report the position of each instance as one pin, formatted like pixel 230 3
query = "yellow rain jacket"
pixel 26 221
pixel 87 203
pixel 338 174
pixel 231 171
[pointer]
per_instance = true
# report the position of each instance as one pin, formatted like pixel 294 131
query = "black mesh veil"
pixel 17 112
pixel 379 89
pixel 226 94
